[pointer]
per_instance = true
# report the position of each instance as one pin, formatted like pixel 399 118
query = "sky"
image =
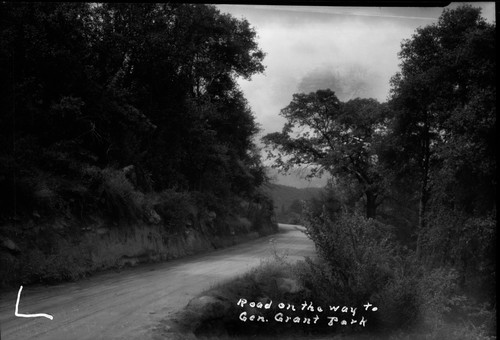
pixel 352 50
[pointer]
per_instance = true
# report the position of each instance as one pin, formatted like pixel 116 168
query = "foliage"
pixel 466 243
pixel 119 84
pixel 175 209
pixel 357 251
pixel 119 197
pixel 359 261
pixel 127 113
pixel 284 197
pixel 341 138
pixel 445 114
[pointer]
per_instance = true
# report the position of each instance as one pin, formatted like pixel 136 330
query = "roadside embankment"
pixel 65 238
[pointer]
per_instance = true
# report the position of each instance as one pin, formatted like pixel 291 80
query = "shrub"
pixel 468 244
pixel 175 208
pixel 437 289
pixel 118 197
pixel 399 299
pixel 362 262
pixel 121 201
pixel 358 252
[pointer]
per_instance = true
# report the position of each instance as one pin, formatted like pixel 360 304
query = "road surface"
pixel 127 305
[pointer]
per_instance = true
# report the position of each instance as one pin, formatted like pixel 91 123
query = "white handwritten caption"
pixel 281 317
pixel 48 316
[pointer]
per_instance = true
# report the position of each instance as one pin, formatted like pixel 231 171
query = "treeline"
pixel 112 85
pixel 414 178
pixel 119 109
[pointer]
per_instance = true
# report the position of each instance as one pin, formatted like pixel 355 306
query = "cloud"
pixel 303 41
pixel 298 51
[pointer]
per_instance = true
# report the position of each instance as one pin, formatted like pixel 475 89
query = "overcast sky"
pixel 352 50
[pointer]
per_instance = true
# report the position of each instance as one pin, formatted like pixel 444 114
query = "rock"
pixel 288 285
pixel 201 313
pixel 102 231
pixel 153 217
pixel 127 169
pixel 10 245
pixel 125 260
pixel 59 225
pixel 212 215
pixel 130 174
pixel 209 307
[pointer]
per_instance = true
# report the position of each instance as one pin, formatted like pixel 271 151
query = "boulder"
pixel 130 174
pixel 209 307
pixel 212 215
pixel 102 231
pixel 153 217
pixel 9 245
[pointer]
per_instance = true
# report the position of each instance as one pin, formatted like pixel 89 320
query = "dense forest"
pixel 114 114
pixel 410 219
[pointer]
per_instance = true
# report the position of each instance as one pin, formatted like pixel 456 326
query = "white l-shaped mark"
pixel 48 316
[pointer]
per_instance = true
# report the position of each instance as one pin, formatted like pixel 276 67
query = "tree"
pixel 348 81
pixel 112 85
pixel 342 138
pixel 178 65
pixel 445 112
pixel 296 206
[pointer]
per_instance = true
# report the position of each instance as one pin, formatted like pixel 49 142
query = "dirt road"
pixel 128 304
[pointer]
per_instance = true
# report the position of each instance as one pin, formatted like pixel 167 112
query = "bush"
pixel 121 201
pixel 358 251
pixel 118 198
pixel 261 213
pixel 399 299
pixel 468 244
pixel 175 208
pixel 361 261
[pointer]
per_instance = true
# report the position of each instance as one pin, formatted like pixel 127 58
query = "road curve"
pixel 127 305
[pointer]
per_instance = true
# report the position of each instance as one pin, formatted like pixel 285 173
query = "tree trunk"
pixel 371 204
pixel 424 189
pixel 422 209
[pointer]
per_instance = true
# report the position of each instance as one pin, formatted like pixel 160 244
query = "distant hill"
pixel 296 178
pixel 283 196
